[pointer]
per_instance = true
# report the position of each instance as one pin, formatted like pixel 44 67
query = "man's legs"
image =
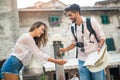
pixel 84 73
pixel 98 75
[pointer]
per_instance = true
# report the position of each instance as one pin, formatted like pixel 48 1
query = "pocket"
pixel 16 62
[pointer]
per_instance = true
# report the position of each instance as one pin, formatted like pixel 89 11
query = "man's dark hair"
pixel 73 8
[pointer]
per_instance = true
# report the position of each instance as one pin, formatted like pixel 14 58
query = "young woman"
pixel 26 46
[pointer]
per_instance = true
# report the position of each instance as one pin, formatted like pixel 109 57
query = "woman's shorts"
pixel 11 66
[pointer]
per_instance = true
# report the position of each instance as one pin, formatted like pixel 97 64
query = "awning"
pixel 71 64
pixel 114 59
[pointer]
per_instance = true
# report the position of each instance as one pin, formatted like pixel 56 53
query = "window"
pixel 104 19
pixel 110 44
pixel 54 21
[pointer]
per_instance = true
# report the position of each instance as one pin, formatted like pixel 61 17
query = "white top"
pixel 89 47
pixel 24 49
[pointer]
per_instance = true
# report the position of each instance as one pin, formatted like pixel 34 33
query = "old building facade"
pixel 53 15
pixel 106 12
pixel 108 18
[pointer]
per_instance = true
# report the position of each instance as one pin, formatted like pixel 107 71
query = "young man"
pixel 86 44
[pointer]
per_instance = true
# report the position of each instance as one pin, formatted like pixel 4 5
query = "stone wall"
pixel 111 31
pixel 10 30
pixel 9 26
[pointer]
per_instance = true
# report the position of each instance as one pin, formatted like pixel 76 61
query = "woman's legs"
pixel 10 68
pixel 10 77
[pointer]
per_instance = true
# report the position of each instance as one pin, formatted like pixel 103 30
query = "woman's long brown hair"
pixel 42 40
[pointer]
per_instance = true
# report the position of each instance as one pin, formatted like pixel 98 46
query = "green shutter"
pixel 54 20
pixel 50 20
pixel 110 44
pixel 105 19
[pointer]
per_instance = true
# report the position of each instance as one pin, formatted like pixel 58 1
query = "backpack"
pixel 90 29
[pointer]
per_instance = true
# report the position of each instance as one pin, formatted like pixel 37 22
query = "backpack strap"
pixel 90 29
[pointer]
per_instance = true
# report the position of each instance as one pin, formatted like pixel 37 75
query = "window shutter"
pixel 54 20
pixel 110 44
pixel 104 19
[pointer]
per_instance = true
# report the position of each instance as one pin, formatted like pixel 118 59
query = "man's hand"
pixel 99 49
pixel 61 50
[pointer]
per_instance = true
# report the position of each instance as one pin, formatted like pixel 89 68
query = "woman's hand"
pixel 61 61
pixel 57 61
